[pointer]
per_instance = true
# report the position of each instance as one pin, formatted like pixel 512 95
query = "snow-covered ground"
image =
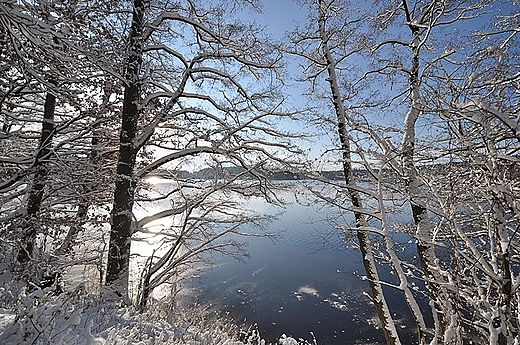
pixel 6 317
pixel 80 317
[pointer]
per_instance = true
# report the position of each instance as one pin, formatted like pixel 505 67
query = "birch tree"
pixel 328 63
pixel 420 23
pixel 337 26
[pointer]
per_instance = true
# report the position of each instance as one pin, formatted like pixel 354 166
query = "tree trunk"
pixel 499 238
pixel 83 202
pixel 120 234
pixel 506 277
pixel 383 312
pixel 35 197
pixel 446 318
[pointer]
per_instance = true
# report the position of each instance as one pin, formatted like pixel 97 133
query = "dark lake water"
pixel 305 284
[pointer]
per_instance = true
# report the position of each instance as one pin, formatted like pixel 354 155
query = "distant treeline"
pixel 331 175
pixel 227 172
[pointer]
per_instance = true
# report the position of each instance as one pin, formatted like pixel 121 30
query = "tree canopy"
pixel 422 97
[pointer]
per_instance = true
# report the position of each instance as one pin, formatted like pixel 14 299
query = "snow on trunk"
pixel 35 197
pixel 500 242
pixel 446 319
pixel 120 233
pixel 369 263
pixel 398 269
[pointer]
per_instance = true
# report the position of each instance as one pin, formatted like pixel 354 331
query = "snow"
pixel 6 318
pixel 305 290
pixel 284 340
pixel 90 339
pixel 308 290
pixel 80 317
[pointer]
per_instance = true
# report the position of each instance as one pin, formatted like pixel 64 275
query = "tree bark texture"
pixel 120 234
pixel 369 264
pixel 445 314
pixel 34 200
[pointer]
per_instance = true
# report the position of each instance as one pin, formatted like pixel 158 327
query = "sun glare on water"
pixel 155 179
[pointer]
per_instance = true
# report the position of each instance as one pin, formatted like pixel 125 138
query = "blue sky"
pixel 280 16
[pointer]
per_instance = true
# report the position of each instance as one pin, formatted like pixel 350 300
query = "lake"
pixel 307 283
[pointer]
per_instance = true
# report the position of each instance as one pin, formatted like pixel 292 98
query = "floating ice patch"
pixel 305 290
pixel 337 304
pixel 254 273
pixel 337 301
pixel 308 291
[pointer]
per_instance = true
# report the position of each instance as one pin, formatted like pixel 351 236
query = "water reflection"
pixel 307 281
pixel 304 283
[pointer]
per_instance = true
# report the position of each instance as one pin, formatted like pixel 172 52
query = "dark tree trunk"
pixel 120 233
pixel 34 200
pixel 83 201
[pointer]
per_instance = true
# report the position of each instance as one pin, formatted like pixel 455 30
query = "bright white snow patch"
pixel 305 290
pixel 5 319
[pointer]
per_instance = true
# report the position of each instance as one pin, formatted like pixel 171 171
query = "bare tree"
pixel 212 218
pixel 193 95
pixel 327 49
pixel 41 50
pixel 438 137
pixel 327 62
pixel 476 103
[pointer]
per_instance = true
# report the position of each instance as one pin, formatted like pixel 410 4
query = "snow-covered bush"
pixel 77 317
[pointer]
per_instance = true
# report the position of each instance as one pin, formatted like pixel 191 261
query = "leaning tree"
pixel 428 102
